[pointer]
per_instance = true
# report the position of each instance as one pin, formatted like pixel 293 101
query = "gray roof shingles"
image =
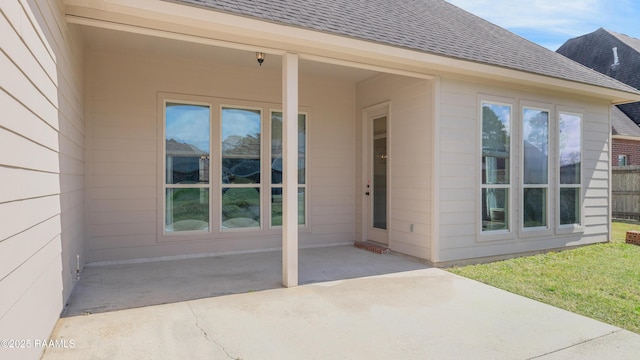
pixel 621 124
pixel 430 26
pixel 595 51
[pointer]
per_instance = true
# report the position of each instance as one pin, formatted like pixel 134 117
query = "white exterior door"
pixel 376 175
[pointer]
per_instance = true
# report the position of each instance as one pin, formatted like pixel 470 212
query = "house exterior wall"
pixel 42 169
pixel 124 168
pixel 630 148
pixel 410 162
pixel 460 172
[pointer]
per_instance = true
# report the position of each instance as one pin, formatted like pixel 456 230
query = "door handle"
pixel 367 193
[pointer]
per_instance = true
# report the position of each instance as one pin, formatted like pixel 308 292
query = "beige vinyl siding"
pixel 42 167
pixel 410 159
pixel 124 168
pixel 459 141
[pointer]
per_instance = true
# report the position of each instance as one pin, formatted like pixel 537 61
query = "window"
pixel 240 187
pixel 496 159
pixel 187 153
pixel 570 160
pixel 535 169
pixel 622 160
pixel 240 161
pixel 276 168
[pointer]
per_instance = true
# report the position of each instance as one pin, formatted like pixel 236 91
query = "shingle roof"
pixel 430 26
pixel 621 124
pixel 632 42
pixel 595 51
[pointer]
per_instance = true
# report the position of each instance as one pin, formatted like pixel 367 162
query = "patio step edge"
pixel 374 248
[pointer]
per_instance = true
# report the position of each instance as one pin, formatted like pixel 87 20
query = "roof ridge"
pixel 630 41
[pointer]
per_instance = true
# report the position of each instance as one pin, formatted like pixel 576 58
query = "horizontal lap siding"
pixel 459 170
pixel 42 167
pixel 597 163
pixel 458 142
pixel 123 199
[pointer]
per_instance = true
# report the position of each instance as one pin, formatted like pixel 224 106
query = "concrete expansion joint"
pixel 206 336
pixel 576 344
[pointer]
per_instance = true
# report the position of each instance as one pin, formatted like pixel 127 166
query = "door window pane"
pixel 380 173
pixel 187 209
pixel 240 146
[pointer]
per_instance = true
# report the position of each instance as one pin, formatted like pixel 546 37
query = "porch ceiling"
pixel 113 41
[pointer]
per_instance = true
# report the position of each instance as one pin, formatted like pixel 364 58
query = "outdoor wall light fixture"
pixel 260 57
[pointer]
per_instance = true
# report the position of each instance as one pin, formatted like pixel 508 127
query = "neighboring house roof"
pixel 430 26
pixel 621 124
pixel 596 51
pixel 176 148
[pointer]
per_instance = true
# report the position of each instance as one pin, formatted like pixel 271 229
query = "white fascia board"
pixel 224 29
pixel 626 137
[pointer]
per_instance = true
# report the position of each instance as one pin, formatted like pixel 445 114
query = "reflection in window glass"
pixel 187 129
pixel 569 206
pixel 497 202
pixel 496 158
pixel 240 207
pixel 276 206
pixel 276 147
pixel 570 159
pixel 276 167
pixel 240 146
pixel 534 213
pixel 536 146
pixel 535 137
pixel 187 209
pixel 187 153
pixel 241 137
pixel 570 148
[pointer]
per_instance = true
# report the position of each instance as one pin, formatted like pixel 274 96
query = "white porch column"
pixel 290 170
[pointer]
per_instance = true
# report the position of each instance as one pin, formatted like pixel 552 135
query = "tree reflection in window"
pixel 241 129
pixel 495 166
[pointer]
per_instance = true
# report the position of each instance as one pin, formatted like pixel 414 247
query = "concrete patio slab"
pixel 131 285
pixel 417 314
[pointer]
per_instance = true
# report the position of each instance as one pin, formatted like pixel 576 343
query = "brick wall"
pixel 630 148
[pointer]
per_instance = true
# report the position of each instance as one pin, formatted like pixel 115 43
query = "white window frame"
pixel 215 231
pixel 626 159
pixel 165 186
pixel 241 105
pixel 306 172
pixel 502 234
pixel 538 230
pixel 570 228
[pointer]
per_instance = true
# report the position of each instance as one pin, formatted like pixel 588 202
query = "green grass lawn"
pixel 600 281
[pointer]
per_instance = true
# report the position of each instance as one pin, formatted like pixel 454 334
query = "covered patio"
pixel 105 288
pixel 310 135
